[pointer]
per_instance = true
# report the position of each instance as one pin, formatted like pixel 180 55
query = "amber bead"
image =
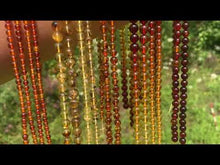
pixel 9 28
pixel 135 93
pixel 18 31
pixel 33 79
pixel 115 88
pixel 92 79
pixel 109 137
pixel 39 79
pixel 87 109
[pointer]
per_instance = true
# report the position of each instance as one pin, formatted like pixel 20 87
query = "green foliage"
pixel 203 89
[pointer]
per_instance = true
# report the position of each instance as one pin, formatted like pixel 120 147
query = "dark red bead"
pixel 184 48
pixel 175 77
pixel 183 128
pixel 134 48
pixel 174 121
pixel 133 28
pixel 185 25
pixel 182 122
pixel 182 141
pixel 175 83
pixel 174 139
pixel 182 115
pixel 184 76
pixel 185 40
pixel 184 83
pixel 174 116
pixel 175 103
pixel 184 69
pixel 177 26
pixel 183 96
pixel 174 128
pixel 183 109
pixel 182 134
pixel 134 38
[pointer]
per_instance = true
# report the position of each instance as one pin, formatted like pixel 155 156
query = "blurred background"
pixel 203 92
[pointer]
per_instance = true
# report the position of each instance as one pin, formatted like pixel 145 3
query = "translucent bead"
pixel 57 36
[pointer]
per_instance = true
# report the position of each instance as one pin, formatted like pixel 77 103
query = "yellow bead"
pixel 57 36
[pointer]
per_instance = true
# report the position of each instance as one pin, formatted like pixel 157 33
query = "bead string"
pixel 9 27
pixel 82 54
pixel 143 40
pixel 114 61
pixel 72 90
pixel 58 38
pixel 94 108
pixel 124 70
pixel 108 119
pixel 184 82
pixel 175 78
pixel 158 78
pixel 101 86
pixel 152 78
pixel 18 32
pixel 134 49
pixel 36 55
pixel 33 80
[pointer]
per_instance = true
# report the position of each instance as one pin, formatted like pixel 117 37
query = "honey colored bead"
pixel 57 36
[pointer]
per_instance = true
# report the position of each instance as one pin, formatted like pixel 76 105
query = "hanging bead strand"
pixel 33 80
pixel 81 39
pixel 184 82
pixel 9 26
pixel 108 119
pixel 73 93
pixel 131 83
pixel 36 55
pixel 152 78
pixel 58 38
pixel 101 86
pixel 134 49
pixel 124 70
pixel 158 79
pixel 94 108
pixel 114 61
pixel 18 33
pixel 143 41
pixel 175 78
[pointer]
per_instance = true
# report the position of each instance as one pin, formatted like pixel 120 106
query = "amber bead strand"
pixel 183 89
pixel 36 55
pixel 175 78
pixel 101 86
pixel 134 49
pixel 9 27
pixel 33 80
pixel 143 41
pixel 81 39
pixel 72 90
pixel 124 70
pixel 18 33
pixel 108 119
pixel 131 82
pixel 94 107
pixel 158 79
pixel 58 38
pixel 115 101
pixel 152 78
